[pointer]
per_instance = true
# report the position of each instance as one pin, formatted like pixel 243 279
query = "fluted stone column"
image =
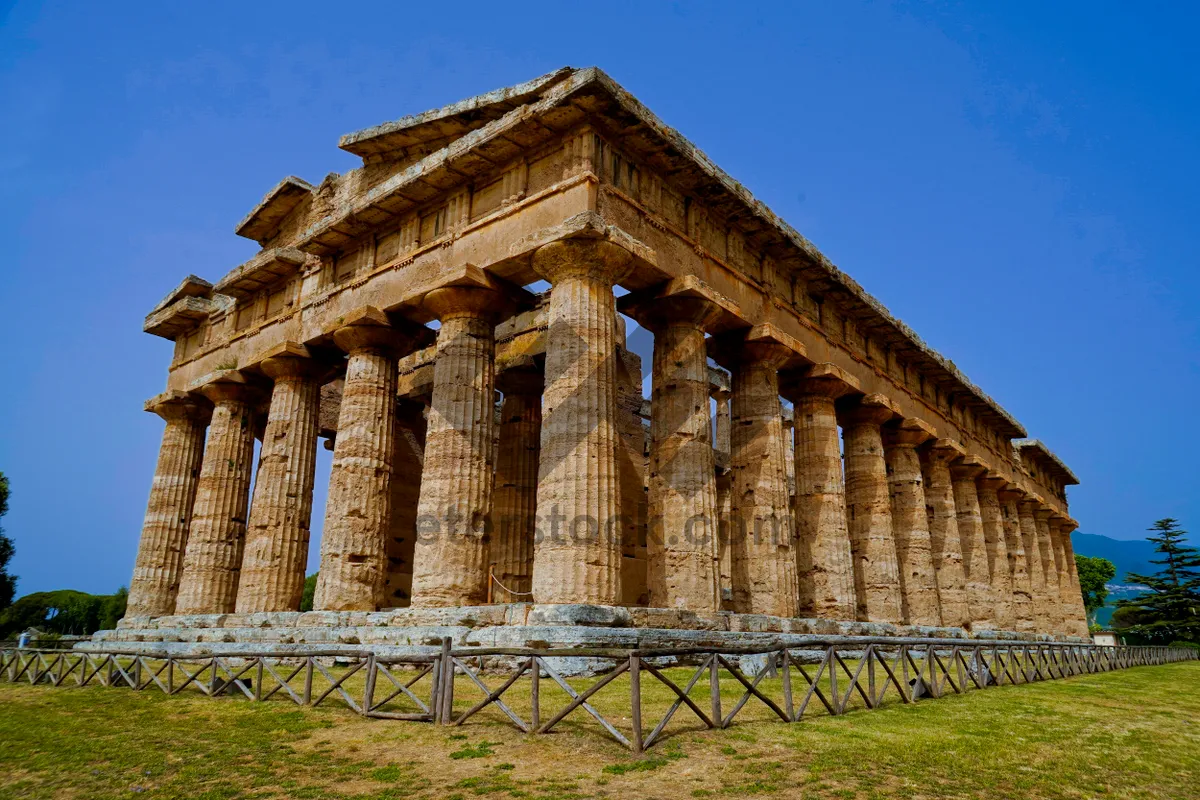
pixel 944 542
pixel 354 564
pixel 578 558
pixel 278 532
pixel 1051 596
pixel 963 474
pixel 724 483
pixel 723 435
pixel 683 528
pixel 451 562
pixel 988 489
pixel 1062 572
pixel 910 522
pixel 156 573
pixel 761 528
pixel 514 502
pixel 872 542
pixel 1077 623
pixel 1033 556
pixel 824 568
pixel 213 559
pixel 408 455
pixel 1022 593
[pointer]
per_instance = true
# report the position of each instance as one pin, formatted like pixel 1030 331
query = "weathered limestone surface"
pixel 1077 623
pixel 681 539
pixel 213 560
pixel 633 467
pixel 944 542
pixel 567 178
pixel 354 564
pixel 997 550
pixel 1066 604
pixel 872 544
pixel 277 535
pixel 579 556
pixel 1022 592
pixel 451 562
pixel 156 573
pixel 980 601
pixel 910 523
pixel 1034 559
pixel 823 561
pixel 764 566
pixel 407 463
pixel 1051 596
pixel 514 500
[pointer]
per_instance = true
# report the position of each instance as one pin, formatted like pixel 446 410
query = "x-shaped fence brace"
pixel 833 673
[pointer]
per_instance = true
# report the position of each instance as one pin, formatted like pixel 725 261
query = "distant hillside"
pixel 1129 555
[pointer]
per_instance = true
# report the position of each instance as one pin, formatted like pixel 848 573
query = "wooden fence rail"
pixel 834 673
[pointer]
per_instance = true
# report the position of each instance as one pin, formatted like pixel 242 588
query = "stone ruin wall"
pixel 474 203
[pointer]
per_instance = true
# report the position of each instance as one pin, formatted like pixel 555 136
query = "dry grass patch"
pixel 1128 734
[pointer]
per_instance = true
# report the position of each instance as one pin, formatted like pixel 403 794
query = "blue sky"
pixel 1017 181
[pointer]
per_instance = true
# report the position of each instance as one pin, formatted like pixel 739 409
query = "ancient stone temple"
pixel 450 318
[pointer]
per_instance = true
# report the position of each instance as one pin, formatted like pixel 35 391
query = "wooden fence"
pixel 836 675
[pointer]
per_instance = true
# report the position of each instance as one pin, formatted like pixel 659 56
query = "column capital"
pixel 968 467
pixel 591 259
pixel 872 409
pixel 180 405
pixel 684 301
pixel 228 385
pixel 1011 493
pixel 476 293
pixel 819 380
pixel 1040 512
pixel 991 480
pixel 368 328
pixel 523 379
pixel 288 360
pixel 762 344
pixel 945 450
pixel 908 432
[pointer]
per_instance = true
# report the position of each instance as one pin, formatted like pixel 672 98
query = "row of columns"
pixel 910 529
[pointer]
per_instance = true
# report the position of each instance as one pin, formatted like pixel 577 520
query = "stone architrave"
pixel 823 562
pixel 944 542
pixel 277 534
pixel 1022 593
pixel 1033 557
pixel 761 528
pixel 354 564
pixel 156 573
pixel 577 558
pixel 450 567
pixel 999 568
pixel 980 602
pixel 910 522
pixel 213 560
pixel 869 508
pixel 407 461
pixel 682 546
pixel 514 500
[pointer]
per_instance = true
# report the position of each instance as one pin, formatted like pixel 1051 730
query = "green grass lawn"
pixel 1128 734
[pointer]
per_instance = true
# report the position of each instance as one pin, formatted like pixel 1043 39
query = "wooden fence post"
pixel 635 700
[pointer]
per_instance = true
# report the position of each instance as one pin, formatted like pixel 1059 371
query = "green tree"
pixel 8 583
pixel 310 590
pixel 1170 611
pixel 1094 574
